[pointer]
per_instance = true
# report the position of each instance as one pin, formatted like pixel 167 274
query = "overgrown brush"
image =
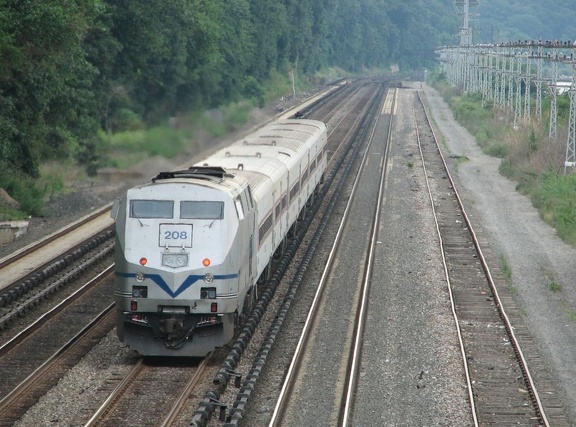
pixel 25 191
pixel 529 156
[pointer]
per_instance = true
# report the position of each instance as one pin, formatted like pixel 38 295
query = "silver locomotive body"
pixel 191 244
pixel 184 264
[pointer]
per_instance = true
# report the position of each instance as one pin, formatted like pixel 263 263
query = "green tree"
pixel 45 80
pixel 270 26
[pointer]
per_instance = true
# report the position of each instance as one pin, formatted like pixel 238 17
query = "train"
pixel 192 245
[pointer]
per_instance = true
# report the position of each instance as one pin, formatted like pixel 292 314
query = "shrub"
pixel 496 149
pixel 556 199
pixel 163 141
pixel 24 190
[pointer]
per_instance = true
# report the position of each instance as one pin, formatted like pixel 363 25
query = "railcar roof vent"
pixel 268 140
pixel 198 172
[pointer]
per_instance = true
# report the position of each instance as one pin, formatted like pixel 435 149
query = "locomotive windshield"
pixel 151 209
pixel 201 210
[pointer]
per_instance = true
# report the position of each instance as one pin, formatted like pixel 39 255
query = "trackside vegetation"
pixel 529 157
pixel 79 78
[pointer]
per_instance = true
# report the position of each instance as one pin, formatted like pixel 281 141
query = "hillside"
pixel 503 20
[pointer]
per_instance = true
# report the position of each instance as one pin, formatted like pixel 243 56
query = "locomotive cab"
pixel 192 244
pixel 182 254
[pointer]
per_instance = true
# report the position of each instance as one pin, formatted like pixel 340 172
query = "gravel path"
pixel 531 249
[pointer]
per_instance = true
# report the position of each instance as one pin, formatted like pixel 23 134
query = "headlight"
pixel 208 277
pixel 207 293
pixel 140 276
pixel 139 292
pixel 175 260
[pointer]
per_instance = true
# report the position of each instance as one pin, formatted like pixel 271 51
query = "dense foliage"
pixel 73 68
pixel 504 20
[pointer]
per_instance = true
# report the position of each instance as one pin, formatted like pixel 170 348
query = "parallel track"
pixel 355 348
pixel 128 403
pixel 25 380
pixel 501 388
pixel 350 127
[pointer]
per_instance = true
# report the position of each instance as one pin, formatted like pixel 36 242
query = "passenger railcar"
pixel 192 244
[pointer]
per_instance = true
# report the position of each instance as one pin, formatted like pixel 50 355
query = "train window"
pixel 201 210
pixel 151 209
pixel 305 175
pixel 239 207
pixel 312 165
pixel 294 191
pixel 265 228
pixel 284 201
pixel 250 199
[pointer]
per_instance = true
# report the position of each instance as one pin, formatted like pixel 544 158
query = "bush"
pixel 24 190
pixel 163 141
pixel 556 198
pixel 496 149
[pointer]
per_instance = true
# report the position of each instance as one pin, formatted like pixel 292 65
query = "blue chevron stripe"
pixel 190 280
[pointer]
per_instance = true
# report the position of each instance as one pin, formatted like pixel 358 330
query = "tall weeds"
pixel 529 157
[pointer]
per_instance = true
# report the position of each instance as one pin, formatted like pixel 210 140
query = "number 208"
pixel 175 235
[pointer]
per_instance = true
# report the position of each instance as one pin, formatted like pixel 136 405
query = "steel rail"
pixel 305 334
pixel 53 312
pixel 107 405
pixel 354 365
pixel 498 301
pixel 52 237
pixel 186 392
pixel 447 277
pixel 211 398
pixel 25 385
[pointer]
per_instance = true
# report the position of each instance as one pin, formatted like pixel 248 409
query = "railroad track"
pixel 41 368
pixel 501 388
pixel 134 401
pixel 346 133
pixel 33 361
pixel 92 223
pixel 359 302
pixel 499 392
pixel 38 271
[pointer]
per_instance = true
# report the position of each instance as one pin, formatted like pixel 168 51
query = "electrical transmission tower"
pixel 464 8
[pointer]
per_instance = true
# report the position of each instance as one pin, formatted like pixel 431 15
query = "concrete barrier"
pixel 11 230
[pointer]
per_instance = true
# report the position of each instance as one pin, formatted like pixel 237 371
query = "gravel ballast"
pixel 535 255
pixel 531 249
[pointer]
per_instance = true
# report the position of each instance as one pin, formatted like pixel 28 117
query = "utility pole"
pixel 463 8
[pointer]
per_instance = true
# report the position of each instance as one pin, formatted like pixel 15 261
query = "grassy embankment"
pixel 131 145
pixel 529 157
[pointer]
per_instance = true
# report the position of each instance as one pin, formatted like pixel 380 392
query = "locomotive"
pixel 192 245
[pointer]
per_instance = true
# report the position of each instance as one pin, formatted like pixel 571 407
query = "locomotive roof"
pixel 264 165
pixel 215 177
pixel 244 153
pixel 198 172
pixel 284 133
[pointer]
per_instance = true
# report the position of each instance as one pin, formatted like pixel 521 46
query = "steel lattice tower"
pixel 527 83
pixel 518 108
pixel 570 161
pixel 539 64
pixel 553 96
